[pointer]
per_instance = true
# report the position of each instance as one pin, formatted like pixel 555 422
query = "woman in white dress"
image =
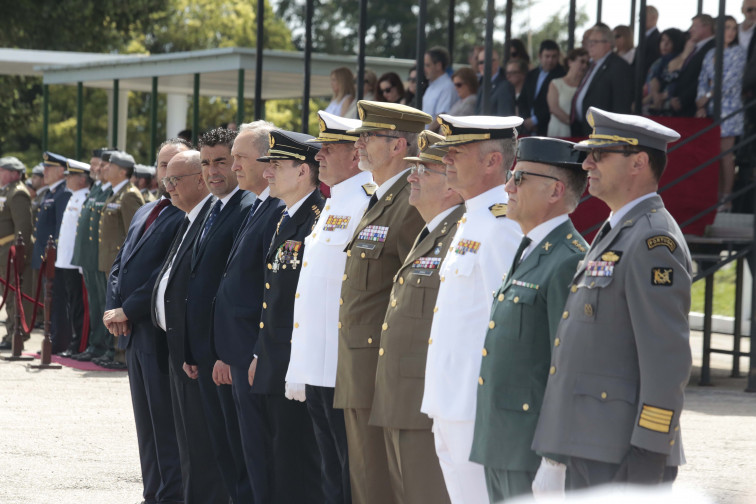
pixel 342 85
pixel 562 90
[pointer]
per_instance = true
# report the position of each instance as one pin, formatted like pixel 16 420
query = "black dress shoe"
pixel 84 356
pixel 6 345
pixel 64 353
pixel 115 365
pixel 101 361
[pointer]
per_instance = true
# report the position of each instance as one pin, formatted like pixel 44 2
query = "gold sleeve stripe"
pixel 655 419
pixel 656 427
pixel 658 411
pixel 658 417
pixel 7 239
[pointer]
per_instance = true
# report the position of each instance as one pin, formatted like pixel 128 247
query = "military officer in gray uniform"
pixel 617 378
pixel 400 376
pixel 15 217
pixel 545 186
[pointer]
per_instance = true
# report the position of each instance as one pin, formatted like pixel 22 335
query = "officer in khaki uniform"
pixel 115 220
pixel 616 382
pixel 413 464
pixel 375 253
pixel 544 188
pixel 85 255
pixel 142 180
pixel 15 217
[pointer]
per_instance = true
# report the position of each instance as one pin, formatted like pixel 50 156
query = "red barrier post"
pixel 18 333
pixel 48 274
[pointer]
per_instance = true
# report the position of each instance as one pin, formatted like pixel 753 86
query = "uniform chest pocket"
pixel 335 237
pixel 364 255
pixel 460 264
pixel 589 290
pixel 422 290
pixel 522 317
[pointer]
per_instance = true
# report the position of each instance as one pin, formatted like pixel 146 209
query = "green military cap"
pixel 76 167
pixel 333 128
pixel 12 164
pixel 614 130
pixel 460 130
pixel 391 116
pixel 550 151
pixel 291 145
pixel 427 141
pixel 122 159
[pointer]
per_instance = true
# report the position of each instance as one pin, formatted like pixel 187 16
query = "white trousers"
pixel 465 480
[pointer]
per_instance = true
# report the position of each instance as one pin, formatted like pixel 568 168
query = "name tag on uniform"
pixel 336 222
pixel 48 201
pixel 99 203
pixel 599 268
pixel 114 206
pixel 465 246
pixel 374 233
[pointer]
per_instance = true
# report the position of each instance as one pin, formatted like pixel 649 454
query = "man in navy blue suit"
pixel 208 260
pixel 292 176
pixel 127 315
pixel 238 302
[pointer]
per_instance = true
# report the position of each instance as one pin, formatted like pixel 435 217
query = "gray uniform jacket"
pixel 617 377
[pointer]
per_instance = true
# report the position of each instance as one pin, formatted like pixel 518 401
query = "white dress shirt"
pixel 440 96
pixel 67 235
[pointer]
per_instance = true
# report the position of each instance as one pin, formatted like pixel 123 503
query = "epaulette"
pixel 369 188
pixel 574 243
pixel 316 211
pixel 498 210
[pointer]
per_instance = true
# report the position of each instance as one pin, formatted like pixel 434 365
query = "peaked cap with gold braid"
pixel 390 116
pixel 333 128
pixel 291 145
pixel 427 141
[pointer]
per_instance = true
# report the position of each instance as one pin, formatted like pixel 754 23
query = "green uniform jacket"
pixel 15 216
pixel 525 315
pixel 35 204
pixel 116 218
pixel 383 238
pixel 400 377
pixel 85 245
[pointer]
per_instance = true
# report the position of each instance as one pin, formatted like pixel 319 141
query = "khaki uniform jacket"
pixel 15 217
pixel 525 315
pixel 618 376
pixel 375 253
pixel 400 376
pixel 116 217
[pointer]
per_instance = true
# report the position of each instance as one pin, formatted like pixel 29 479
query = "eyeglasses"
pixel 387 90
pixel 367 135
pixel 421 169
pixel 519 174
pixel 597 154
pixel 458 84
pixel 173 180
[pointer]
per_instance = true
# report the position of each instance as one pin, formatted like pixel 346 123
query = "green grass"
pixel 724 292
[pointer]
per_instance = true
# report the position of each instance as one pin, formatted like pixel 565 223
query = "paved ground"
pixel 68 435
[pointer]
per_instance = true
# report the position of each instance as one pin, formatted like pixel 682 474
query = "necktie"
pixel 603 232
pixel 523 245
pixel 373 201
pixel 425 232
pixel 573 108
pixel 177 240
pixel 154 213
pixel 211 218
pixel 251 213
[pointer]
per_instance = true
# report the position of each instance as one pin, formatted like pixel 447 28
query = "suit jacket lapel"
pixel 290 229
pixel 201 244
pixel 156 226
pixel 251 222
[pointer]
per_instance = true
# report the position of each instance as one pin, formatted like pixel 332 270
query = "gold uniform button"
pixel 491 324
pixel 442 278
pixel 362 255
pixel 343 279
pixel 304 265
pixel 393 303
pixel 574 288
pixel 565 314
pixel 485 352
pixel 328 207
pixel 370 341
pixel 270 266
pixel 314 235
pixel 262 325
pixel 341 301
pixel 480 380
pixel 677 428
pixel 556 342
pixel 418 280
pixel 265 305
pixel 296 325
pixel 339 324
pixel 525 407
pixel 380 351
pixel 501 297
pixel 349 253
pixel 569 236
pixel 435 309
pixel 430 341
pixel 267 285
pixel 671 442
pixel 603 395
pixel 401 280
pixel 552 370
pixel 516 299
pixel 384 326
pixel 296 296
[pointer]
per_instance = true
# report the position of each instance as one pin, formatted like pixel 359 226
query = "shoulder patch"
pixel 369 188
pixel 662 276
pixel 661 241
pixel 498 210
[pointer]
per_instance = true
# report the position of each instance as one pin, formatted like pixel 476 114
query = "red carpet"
pixel 65 361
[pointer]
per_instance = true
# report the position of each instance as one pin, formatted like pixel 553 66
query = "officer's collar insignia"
pixel 547 246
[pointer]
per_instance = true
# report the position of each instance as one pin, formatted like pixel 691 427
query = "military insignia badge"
pixel 498 210
pixel 525 284
pixel 321 124
pixel 334 222
pixel 547 246
pixel 661 241
pixel 589 118
pixel 272 141
pixel 422 142
pixel 361 113
pixel 445 129
pixel 662 276
pixel 578 245
pixel 374 233
pixel 288 254
pixel 465 246
pixel 611 255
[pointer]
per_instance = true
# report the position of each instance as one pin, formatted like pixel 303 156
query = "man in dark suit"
pixel 537 87
pixel 202 482
pixel 238 302
pixel 608 83
pixel 651 53
pixel 292 176
pixel 129 293
pixel 683 99
pixel 502 99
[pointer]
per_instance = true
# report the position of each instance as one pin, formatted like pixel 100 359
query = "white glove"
pixel 295 391
pixel 549 480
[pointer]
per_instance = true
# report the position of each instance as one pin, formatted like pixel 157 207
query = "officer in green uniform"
pixel 545 186
pixel 115 220
pixel 15 216
pixel 86 255
pixel 142 179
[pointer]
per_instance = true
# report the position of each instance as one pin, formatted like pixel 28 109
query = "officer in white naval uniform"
pixel 315 339
pixel 481 150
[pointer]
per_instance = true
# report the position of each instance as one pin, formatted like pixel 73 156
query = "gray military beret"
pixel 122 159
pixel 141 170
pixel 39 170
pixel 12 163
pixel 613 130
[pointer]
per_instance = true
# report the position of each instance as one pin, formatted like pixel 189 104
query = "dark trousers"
pixel 330 435
pixel 254 438
pixel 293 454
pixel 67 312
pixel 223 424
pixel 504 485
pixel 100 340
pixel 201 477
pixel 158 448
pixel 585 473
